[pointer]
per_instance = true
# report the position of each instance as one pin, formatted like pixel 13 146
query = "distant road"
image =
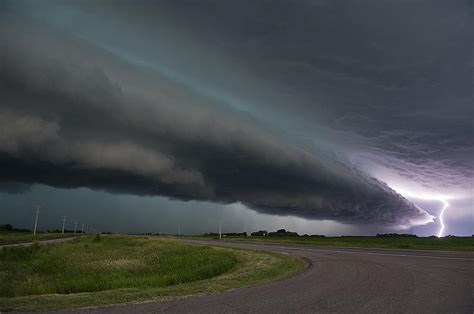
pixel 41 241
pixel 342 281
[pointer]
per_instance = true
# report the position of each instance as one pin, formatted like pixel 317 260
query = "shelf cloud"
pixel 315 109
pixel 74 115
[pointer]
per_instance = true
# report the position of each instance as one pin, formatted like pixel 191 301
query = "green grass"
pixel 417 243
pixel 9 237
pixel 111 263
pixel 120 269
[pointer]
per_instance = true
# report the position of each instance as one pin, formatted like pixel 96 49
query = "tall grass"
pixel 113 262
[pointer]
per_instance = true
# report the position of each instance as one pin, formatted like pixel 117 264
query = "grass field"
pixel 120 269
pixel 8 237
pixel 417 243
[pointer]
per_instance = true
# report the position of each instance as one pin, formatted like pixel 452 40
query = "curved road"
pixel 343 281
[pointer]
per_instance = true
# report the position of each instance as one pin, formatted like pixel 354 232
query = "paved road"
pixel 41 241
pixel 343 281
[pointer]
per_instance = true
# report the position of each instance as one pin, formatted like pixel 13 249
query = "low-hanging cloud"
pixel 74 115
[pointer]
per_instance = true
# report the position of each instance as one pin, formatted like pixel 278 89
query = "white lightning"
pixel 430 197
pixel 441 221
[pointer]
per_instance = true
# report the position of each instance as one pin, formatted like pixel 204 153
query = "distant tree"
pixel 261 233
pixel 235 234
pixel 283 233
pixel 6 227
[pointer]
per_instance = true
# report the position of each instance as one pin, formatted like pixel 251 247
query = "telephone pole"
pixel 220 230
pixel 64 223
pixel 75 226
pixel 36 219
pixel 82 229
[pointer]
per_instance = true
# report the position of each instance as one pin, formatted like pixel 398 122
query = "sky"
pixel 321 117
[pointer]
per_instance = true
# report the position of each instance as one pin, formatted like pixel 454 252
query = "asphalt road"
pixel 343 281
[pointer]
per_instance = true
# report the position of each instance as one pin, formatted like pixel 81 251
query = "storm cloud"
pixel 76 111
pixel 68 120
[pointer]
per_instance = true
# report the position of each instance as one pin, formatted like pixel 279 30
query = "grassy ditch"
pixel 109 270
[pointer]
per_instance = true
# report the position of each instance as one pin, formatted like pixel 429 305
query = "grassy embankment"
pixel 121 269
pixel 9 237
pixel 417 243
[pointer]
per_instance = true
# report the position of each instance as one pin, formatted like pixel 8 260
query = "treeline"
pixel 227 234
pixel 281 233
pixel 65 231
pixel 262 233
pixel 10 228
pixel 396 235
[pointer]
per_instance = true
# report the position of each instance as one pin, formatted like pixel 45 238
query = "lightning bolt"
pixel 441 217
pixel 434 197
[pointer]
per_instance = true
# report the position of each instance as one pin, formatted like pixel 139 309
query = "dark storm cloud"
pixel 73 115
pixel 394 79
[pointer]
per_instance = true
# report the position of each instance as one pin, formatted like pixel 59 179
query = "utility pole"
pixel 64 223
pixel 220 230
pixel 75 226
pixel 36 219
pixel 82 229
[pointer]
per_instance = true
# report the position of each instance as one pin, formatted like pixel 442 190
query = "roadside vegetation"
pixel 10 235
pixel 395 241
pixel 104 270
pixel 19 237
